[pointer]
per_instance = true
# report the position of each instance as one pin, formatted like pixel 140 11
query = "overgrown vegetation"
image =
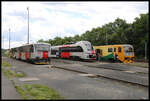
pixel 13 73
pixel 5 52
pixel 5 64
pixel 21 91
pixel 38 91
pixel 10 73
pixel 35 91
pixel 118 32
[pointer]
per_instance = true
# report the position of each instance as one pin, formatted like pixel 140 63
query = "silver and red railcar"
pixel 38 53
pixel 79 50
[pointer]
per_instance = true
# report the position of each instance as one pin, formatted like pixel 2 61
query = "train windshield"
pixel 89 47
pixel 128 50
pixel 42 47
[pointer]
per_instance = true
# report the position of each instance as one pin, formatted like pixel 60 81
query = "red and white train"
pixel 38 53
pixel 79 50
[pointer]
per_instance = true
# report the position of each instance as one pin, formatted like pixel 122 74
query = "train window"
pixel 79 49
pixel 130 49
pixel 53 52
pixel 20 49
pixel 64 49
pixel 89 47
pixel 114 49
pixel 17 49
pixel 109 49
pixel 25 48
pixel 14 50
pixel 31 48
pixel 42 47
pixel 97 50
pixel 72 49
pixel 119 49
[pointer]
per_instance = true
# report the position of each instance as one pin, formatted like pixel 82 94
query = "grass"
pixel 35 91
pixel 21 91
pixel 38 91
pixel 5 64
pixel 10 73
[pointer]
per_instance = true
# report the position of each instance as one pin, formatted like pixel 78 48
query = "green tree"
pixel 140 29
pixel 117 32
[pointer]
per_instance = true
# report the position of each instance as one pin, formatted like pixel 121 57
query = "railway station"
pixel 108 59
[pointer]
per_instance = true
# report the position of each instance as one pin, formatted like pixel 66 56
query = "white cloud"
pixel 51 19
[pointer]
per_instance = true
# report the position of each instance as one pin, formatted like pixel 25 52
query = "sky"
pixel 50 19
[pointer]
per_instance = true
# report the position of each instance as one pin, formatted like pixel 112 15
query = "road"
pixel 8 90
pixel 73 85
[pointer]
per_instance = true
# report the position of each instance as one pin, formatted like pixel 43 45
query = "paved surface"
pixel 73 85
pixel 119 75
pixel 121 67
pixel 107 65
pixel 8 90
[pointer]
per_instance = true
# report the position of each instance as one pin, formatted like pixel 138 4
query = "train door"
pixel 31 50
pixel 115 53
pixel 59 52
pixel 97 54
pixel 120 54
pixel 20 52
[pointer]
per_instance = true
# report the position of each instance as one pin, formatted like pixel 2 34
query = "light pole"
pixel 28 25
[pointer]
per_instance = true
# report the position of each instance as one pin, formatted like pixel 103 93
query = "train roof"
pixel 56 46
pixel 30 44
pixel 114 45
pixel 71 44
pixel 122 45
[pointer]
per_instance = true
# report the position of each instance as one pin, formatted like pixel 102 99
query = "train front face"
pixel 88 50
pixel 42 53
pixel 128 53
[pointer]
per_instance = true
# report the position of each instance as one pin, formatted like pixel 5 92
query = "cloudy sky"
pixel 51 19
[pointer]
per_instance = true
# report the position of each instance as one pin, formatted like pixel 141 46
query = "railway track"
pixel 103 76
pixel 80 67
pixel 107 73
pixel 107 65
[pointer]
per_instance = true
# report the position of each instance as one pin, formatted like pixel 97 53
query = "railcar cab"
pixel 124 53
pixel 88 50
pixel 41 52
pixel 78 50
pixel 55 51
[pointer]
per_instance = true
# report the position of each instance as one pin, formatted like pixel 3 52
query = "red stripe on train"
pixel 66 45
pixel 93 52
pixel 20 54
pixel 45 54
pixel 65 55
pixel 27 55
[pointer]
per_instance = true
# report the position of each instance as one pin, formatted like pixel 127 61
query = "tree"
pixel 118 32
pixel 141 33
